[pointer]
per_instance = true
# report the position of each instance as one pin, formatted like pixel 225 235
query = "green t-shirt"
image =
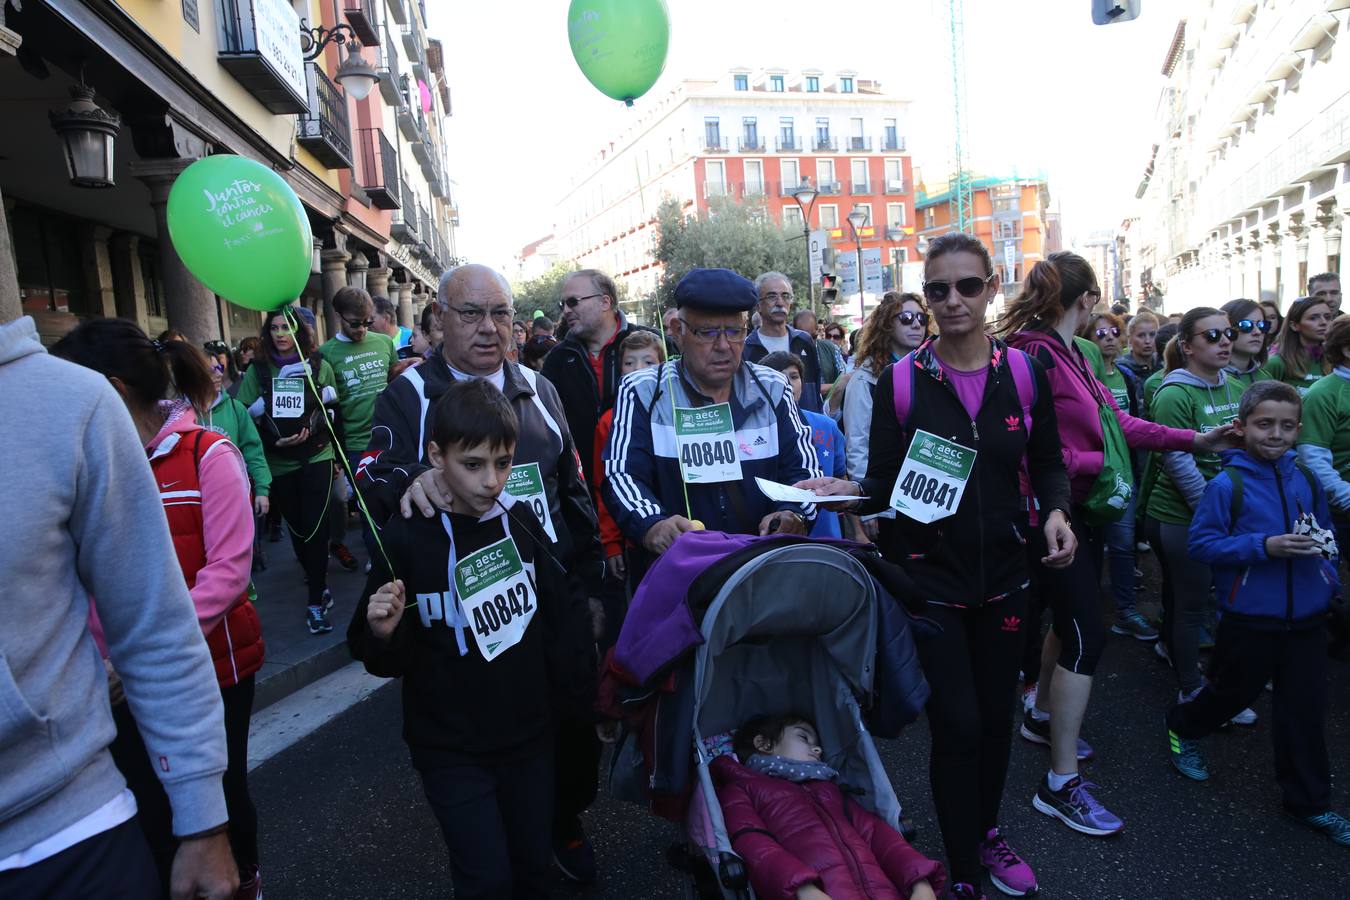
pixel 1151 385
pixel 1326 420
pixel 1119 392
pixel 361 370
pixel 1200 409
pixel 1094 356
pixel 1275 368
pixel 1248 378
pixel 250 391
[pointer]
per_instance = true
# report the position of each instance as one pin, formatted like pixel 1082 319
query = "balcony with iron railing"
pixel 379 168
pixel 409 113
pixel 788 144
pixel 324 129
pixel 892 142
pixel 858 188
pixel 895 186
pixel 415 42
pixel 823 143
pixel 258 72
pixel 391 77
pixel 364 20
pixel 828 187
pixel 397 11
pixel 713 144
pixel 788 188
pixel 403 225
pixel 424 150
pixel 713 189
pixel 859 144
pixel 750 145
pixel 753 189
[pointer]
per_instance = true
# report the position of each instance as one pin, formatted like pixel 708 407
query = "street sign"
pixel 846 266
pixel 872 270
pixel 816 245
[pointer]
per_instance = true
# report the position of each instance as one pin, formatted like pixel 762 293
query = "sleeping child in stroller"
pixel 800 836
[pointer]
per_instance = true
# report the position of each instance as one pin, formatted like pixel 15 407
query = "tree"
pixel 545 292
pixel 743 238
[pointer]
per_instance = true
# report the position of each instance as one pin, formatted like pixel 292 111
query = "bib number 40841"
pixel 932 491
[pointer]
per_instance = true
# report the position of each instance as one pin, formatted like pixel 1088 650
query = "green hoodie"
pixel 1275 369
pixel 229 417
pixel 1151 385
pixel 1248 378
pixel 1185 401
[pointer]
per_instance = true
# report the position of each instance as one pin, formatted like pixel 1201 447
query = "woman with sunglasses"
pixel 1299 362
pixel 964 388
pixel 1056 300
pixel 277 393
pixel 897 326
pixel 1247 365
pixel 1272 311
pixel 1196 393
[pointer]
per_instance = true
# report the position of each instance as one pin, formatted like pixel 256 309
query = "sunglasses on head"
pixel 909 317
pixel 1103 332
pixel 1247 326
pixel 1213 335
pixel 938 291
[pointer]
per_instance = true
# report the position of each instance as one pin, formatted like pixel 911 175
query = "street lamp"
pixel 87 133
pixel 356 76
pixel 805 195
pixel 856 220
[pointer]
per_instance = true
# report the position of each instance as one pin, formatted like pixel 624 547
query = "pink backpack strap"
pixel 902 387
pixel 1025 381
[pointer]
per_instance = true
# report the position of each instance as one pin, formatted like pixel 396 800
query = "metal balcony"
pixel 753 189
pixel 391 78
pixel 750 145
pixel 893 142
pixel 858 144
pixel 895 186
pixel 426 230
pixel 823 143
pixel 379 168
pixel 403 225
pixel 788 145
pixel 788 188
pixel 407 116
pixel 713 189
pixel 714 145
pixel 278 90
pixel 828 187
pixel 324 129
pixel 362 17
pixel 397 11
pixel 412 36
pixel 424 150
pixel 860 187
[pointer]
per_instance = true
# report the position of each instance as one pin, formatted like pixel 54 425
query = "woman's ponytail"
pixel 189 372
pixel 145 368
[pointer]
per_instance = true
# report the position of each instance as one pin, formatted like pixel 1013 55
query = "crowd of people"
pixel 517 480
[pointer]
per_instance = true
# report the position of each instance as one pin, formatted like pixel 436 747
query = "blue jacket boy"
pixel 1265 592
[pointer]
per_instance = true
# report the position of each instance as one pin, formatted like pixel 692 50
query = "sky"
pixel 1047 91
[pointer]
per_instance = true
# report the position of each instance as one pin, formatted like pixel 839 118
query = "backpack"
pixel 271 430
pixel 902 380
pixel 1235 477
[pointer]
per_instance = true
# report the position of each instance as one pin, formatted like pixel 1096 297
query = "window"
pixel 866 210
pixel 929 218
pixel 47 255
pixel 822 133
pixel 754 177
pixel 902 255
pixel 787 134
pixel 895 177
pixel 741 82
pixel 891 134
pixel 712 133
pixel 791 175
pixel 845 85
pixel 829 216
pixel 715 182
pixel 813 84
pixel 792 217
pixel 825 176
pixel 856 139
pixel 750 132
pixel 895 215
pixel 776 83
pixel 860 182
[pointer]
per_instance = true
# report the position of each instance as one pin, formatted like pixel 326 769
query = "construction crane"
pixel 962 215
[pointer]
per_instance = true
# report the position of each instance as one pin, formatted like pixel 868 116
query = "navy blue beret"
pixel 716 291
pixel 305 314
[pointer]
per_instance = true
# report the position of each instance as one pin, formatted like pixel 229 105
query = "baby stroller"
pixel 795 630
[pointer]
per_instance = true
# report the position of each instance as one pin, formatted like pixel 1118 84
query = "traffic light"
pixel 829 288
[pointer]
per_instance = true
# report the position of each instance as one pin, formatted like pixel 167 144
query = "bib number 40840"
pixel 705 453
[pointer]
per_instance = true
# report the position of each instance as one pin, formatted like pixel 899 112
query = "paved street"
pixel 342 814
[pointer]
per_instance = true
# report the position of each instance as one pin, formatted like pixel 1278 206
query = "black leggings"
pixel 153 811
pixel 972 671
pixel 302 497
pixel 1073 595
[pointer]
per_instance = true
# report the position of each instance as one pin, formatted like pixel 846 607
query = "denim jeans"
pixel 1122 558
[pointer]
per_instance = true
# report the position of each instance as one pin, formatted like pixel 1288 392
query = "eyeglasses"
pixel 571 302
pixel 735 334
pixel 909 317
pixel 1103 332
pixel 937 291
pixel 218 369
pixel 772 296
pixel 472 315
pixel 834 335
pixel 1213 335
pixel 1247 326
pixel 359 323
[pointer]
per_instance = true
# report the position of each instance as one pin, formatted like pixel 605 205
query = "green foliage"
pixel 743 238
pixel 545 292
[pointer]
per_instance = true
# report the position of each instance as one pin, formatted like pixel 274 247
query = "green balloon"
pixel 620 45
pixel 240 229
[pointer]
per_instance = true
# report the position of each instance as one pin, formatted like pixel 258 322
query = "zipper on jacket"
pixel 1289 562
pixel 854 866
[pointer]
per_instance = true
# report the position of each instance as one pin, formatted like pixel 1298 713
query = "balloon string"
pixel 342 454
pixel 675 424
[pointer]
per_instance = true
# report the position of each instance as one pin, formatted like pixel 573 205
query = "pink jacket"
pixel 1076 391
pixel 792 834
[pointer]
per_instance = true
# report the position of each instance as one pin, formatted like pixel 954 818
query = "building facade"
pixel 1247 187
pixel 751 137
pixel 184 80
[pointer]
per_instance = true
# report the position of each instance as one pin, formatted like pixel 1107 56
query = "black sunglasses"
pixel 909 317
pixel 938 291
pixel 1214 334
pixel 1247 326
pixel 360 323
pixel 1113 331
pixel 571 302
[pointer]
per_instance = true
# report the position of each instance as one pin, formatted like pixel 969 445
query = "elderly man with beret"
pixel 704 427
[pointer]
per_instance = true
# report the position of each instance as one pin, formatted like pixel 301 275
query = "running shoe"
pixel 1332 824
pixel 1007 870
pixel 1075 806
pixel 1160 651
pixel 1187 757
pixel 964 891
pixel 1143 547
pixel 1131 624
pixel 1246 717
pixel 327 600
pixel 574 855
pixel 317 620
pixel 1038 732
pixel 343 556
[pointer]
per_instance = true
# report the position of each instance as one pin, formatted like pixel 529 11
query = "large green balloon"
pixel 620 45
pixel 240 229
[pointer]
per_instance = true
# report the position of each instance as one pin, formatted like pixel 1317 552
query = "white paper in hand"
pixel 783 493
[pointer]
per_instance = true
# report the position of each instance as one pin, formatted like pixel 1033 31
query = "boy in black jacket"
pixel 491 644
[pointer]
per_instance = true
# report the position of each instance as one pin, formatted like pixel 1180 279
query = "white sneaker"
pixel 1143 547
pixel 1246 717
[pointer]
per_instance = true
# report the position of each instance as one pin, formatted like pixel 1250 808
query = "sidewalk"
pixel 294 657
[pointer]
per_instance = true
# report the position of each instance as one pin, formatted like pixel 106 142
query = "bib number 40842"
pixel 512 603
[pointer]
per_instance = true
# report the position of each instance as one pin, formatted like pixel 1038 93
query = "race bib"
pixel 932 479
pixel 706 440
pixel 288 398
pixel 497 593
pixel 526 485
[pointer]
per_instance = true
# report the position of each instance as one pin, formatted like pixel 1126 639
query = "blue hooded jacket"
pixel 1292 592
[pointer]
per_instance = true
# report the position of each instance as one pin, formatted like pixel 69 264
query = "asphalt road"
pixel 342 814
